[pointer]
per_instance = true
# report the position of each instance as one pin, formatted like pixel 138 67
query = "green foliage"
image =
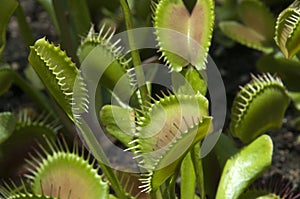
pixel 187 28
pixel 19 132
pixel 244 167
pixel 56 70
pixel 258 17
pixel 6 79
pixel 244 35
pixel 287 70
pixel 257 27
pixel 188 178
pixel 6 11
pixel 102 54
pixel 66 174
pixel 264 95
pixel 295 96
pixel 163 130
pixel 195 80
pixel 287 30
pixel 175 136
pixel 118 122
pixel 7 125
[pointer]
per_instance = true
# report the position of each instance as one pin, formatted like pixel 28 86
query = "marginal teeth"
pixel 252 93
pixel 56 160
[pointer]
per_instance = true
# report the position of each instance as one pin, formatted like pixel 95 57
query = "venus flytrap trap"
pixel 73 173
pixel 177 133
pixel 20 131
pixel 197 26
pixel 248 120
pixel 257 27
pixel 285 32
pixel 56 70
pixel 275 187
pixel 162 130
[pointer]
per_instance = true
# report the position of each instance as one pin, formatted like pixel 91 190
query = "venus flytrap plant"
pixel 239 171
pixel 248 120
pixel 286 30
pixel 73 173
pixel 7 10
pixel 163 130
pixel 248 123
pixel 19 133
pixel 196 26
pixel 58 75
pixel 286 35
pixel 191 125
pixel 275 186
pixel 257 27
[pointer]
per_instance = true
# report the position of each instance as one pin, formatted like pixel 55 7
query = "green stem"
pixel 114 181
pixel 198 170
pixel 97 151
pixel 136 59
pixel 34 94
pixel 24 27
pixel 172 185
pixel 68 36
pixel 48 6
pixel 156 195
pixel 188 178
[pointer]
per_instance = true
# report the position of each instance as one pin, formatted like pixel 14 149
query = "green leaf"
pixel 296 124
pixel 287 70
pixel 13 191
pixel 258 17
pixel 33 78
pixel 167 131
pixel 74 21
pixel 56 70
pixel 287 30
pixel 224 142
pixel 295 96
pixel 27 131
pixel 174 153
pixel 80 16
pixel 130 183
pixel 28 196
pixel 258 107
pixel 9 76
pixel 7 9
pixel 7 126
pixel 104 57
pixel 110 5
pixel 195 80
pixel 118 122
pixel 48 6
pixel 66 173
pixel 244 167
pixel 172 18
pixel 6 79
pixel 188 178
pixel 245 36
pixel 142 8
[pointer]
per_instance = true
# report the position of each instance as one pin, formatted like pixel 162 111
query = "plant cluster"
pixel 163 128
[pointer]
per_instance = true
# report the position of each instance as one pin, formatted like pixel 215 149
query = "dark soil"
pixel 235 65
